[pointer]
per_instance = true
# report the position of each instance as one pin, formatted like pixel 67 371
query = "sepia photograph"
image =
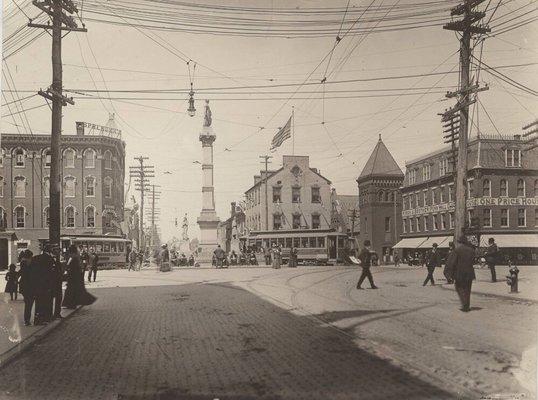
pixel 269 200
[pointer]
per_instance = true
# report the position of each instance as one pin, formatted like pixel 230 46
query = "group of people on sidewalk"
pixel 459 267
pixel 40 279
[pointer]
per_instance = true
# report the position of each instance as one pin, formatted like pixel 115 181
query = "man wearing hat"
pixel 365 258
pixel 43 274
pixel 463 267
pixel 433 260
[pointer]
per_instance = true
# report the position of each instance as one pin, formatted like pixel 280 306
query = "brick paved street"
pixel 292 333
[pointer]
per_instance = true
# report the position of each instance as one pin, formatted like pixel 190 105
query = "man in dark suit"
pixel 433 260
pixel 463 271
pixel 365 258
pixel 26 284
pixel 491 256
pixel 42 272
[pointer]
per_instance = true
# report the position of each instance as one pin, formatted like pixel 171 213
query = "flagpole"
pixel 292 130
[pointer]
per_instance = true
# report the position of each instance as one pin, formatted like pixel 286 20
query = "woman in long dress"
pixel 75 293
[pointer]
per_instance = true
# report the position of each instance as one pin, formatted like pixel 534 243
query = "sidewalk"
pixel 14 336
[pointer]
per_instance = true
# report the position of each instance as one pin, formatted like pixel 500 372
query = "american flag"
pixel 283 134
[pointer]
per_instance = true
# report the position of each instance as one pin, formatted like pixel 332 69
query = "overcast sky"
pixel 161 130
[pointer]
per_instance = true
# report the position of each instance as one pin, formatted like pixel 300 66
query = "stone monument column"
pixel 208 220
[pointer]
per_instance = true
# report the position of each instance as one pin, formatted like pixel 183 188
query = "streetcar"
pixel 111 250
pixel 314 246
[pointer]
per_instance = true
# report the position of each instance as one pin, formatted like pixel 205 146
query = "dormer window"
pixel 512 157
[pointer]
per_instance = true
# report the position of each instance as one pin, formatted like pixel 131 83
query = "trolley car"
pixel 112 250
pixel 314 246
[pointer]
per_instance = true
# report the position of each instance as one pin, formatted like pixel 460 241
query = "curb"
pixel 500 296
pixel 27 343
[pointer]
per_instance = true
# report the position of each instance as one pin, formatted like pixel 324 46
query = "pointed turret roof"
pixel 381 163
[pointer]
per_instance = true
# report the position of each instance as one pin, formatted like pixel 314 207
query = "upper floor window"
pixel 424 198
pixel 1 157
pixel 1 186
pixel 412 176
pixel 505 217
pixel 486 188
pixel 536 188
pixel 404 226
pixel 296 221
pixel 443 221
pixel 426 225
pixel 47 156
pixel 520 188
pixel 411 226
pixel 450 192
pixel 69 186
pixel 107 186
pixel 521 217
pixel 277 221
pixel 435 223
pixel 380 196
pixel 19 157
pixel 20 186
pixel 70 217
pixel 20 217
pixel 316 196
pixel 512 157
pixel 442 194
pixel 89 217
pixel 417 224
pixel 387 224
pixel 108 159
pixel 69 158
pixel 451 220
pixel 486 218
pixel 89 158
pixel 90 186
pixel 316 222
pixel 277 194
pixel 470 188
pixel 443 167
pixel 426 172
pixel 503 191
pixel 296 194
pixel 46 186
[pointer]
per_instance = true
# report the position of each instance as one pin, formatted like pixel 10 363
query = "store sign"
pixel 474 202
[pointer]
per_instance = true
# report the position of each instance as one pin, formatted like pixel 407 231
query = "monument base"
pixel 185 248
pixel 208 222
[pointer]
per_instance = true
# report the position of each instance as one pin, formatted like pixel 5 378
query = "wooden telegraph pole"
pixel 266 162
pixel 141 173
pixel 60 22
pixel 467 27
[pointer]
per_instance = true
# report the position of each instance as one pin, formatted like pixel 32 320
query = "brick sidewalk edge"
pixel 19 348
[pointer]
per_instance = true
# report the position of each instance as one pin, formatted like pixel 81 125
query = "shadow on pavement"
pixel 215 342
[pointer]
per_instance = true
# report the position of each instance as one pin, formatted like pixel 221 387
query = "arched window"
pixel 107 217
pixel 20 186
pixel 47 158
pixel 69 217
pixel 107 186
pixel 69 158
pixel 90 186
pixel 89 217
pixel 3 218
pixel 1 186
pixel 46 216
pixel 20 217
pixel 503 192
pixel 19 157
pixel 69 186
pixel 486 188
pixel 108 159
pixel 520 188
pixel 46 186
pixel 89 158
pixel 380 195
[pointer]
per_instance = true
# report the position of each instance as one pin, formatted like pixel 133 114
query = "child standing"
pixel 12 278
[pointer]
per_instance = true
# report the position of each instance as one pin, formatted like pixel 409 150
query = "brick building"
pixel 502 196
pixel 92 187
pixel 380 202
pixel 299 197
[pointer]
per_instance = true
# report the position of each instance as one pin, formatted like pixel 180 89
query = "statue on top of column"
pixel 185 227
pixel 207 117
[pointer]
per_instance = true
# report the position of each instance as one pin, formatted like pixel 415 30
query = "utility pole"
pixel 266 162
pixel 141 173
pixel 467 27
pixel 60 22
pixel 353 215
pixel 155 196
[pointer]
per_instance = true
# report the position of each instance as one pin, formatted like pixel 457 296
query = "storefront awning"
pixel 410 243
pixel 512 240
pixel 442 242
